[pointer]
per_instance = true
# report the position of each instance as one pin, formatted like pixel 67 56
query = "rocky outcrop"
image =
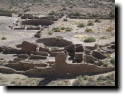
pixel 33 28
pixel 37 57
pixel 23 56
pixel 7 70
pixel 42 53
pixel 89 59
pixel 98 55
pixel 38 34
pixel 55 42
pixel 28 47
pixel 9 50
pixel 43 22
pixel 75 47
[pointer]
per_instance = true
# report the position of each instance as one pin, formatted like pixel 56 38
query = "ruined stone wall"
pixel 62 68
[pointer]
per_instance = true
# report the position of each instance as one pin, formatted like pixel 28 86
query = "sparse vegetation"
pixel 109 29
pixel 62 28
pixel 5 13
pixel 107 63
pixel 90 39
pixel 90 23
pixel 97 21
pixel 59 83
pixel 88 30
pixel 56 29
pixel 52 13
pixel 113 60
pixel 77 14
pixel 3 38
pixel 67 29
pixel 50 32
pixel 102 80
pixel 80 25
pixel 65 19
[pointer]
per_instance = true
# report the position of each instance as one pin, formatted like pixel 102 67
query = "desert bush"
pixel 113 60
pixel 67 29
pixel 97 21
pixel 50 32
pixel 79 81
pixel 65 19
pixel 62 28
pixel 90 23
pixel 106 63
pixel 3 38
pixel 80 25
pixel 75 14
pixel 56 29
pixel 90 39
pixel 109 29
pixel 52 13
pixel 88 30
pixel 59 83
pixel 5 13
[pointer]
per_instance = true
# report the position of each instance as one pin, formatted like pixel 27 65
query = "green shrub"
pixel 90 39
pixel 90 23
pixel 56 29
pixel 88 30
pixel 80 25
pixel 3 38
